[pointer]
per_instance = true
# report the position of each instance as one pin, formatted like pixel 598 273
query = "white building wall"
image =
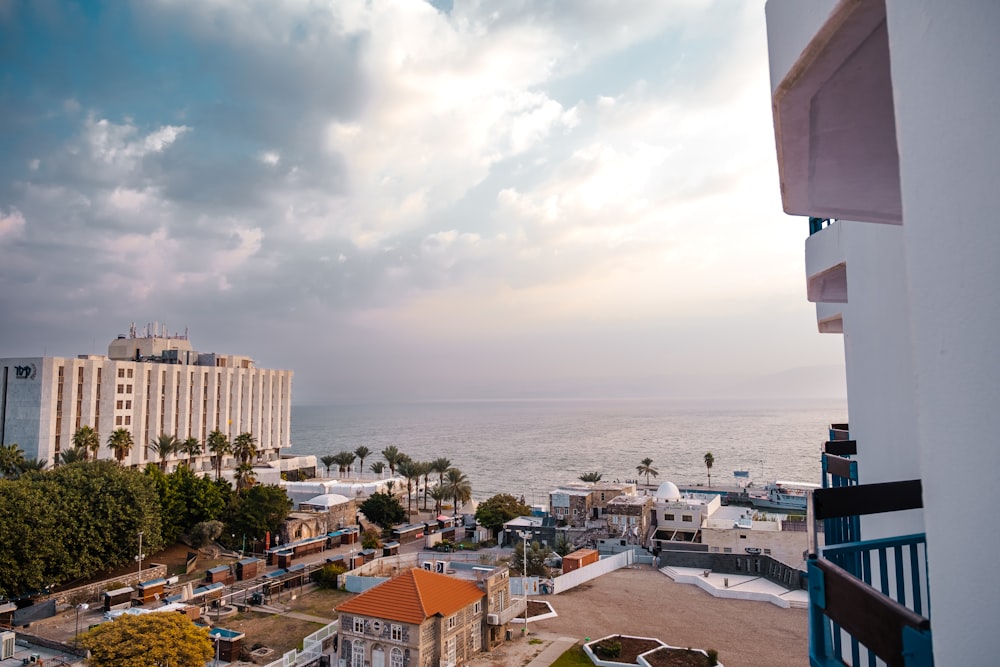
pixel 945 59
pixel 185 401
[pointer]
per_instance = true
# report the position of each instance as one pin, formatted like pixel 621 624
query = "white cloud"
pixel 11 224
pixel 271 158
pixel 122 145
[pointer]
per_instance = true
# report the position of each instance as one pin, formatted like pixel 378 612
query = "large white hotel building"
pixel 150 383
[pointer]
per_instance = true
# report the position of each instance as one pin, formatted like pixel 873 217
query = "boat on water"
pixel 783 496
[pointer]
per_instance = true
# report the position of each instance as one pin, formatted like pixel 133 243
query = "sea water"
pixel 530 447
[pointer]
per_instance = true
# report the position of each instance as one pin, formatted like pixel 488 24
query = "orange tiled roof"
pixel 414 596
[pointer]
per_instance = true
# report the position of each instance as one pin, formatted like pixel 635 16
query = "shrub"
pixel 329 575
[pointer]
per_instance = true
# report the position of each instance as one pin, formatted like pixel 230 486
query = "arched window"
pixel 358 654
pixel 396 658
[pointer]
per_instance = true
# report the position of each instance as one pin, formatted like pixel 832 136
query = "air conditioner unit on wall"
pixel 493 619
pixel 7 645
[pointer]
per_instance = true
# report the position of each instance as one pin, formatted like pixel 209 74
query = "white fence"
pixel 564 582
pixel 312 649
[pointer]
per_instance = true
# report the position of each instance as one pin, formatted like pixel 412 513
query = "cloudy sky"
pixel 403 199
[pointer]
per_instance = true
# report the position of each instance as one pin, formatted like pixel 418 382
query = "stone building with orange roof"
pixel 421 618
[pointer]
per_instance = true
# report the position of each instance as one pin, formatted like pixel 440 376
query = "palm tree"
pixel 245 446
pixel 328 460
pixel 389 485
pixel 67 456
pixel 438 493
pixel 244 476
pixel 409 470
pixel 392 456
pixel 218 445
pixel 11 457
pixel 164 446
pixel 120 442
pixel 362 453
pixel 343 461
pixel 591 477
pixel 378 468
pixel 459 488
pixel 646 468
pixel 88 440
pixel 440 465
pixel 31 465
pixel 709 462
pixel 190 448
pixel 425 471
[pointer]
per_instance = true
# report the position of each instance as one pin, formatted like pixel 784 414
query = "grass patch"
pixel 574 657
pixel 277 632
pixel 320 602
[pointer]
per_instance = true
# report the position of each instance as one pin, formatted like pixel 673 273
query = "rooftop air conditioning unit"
pixel 493 619
pixel 7 645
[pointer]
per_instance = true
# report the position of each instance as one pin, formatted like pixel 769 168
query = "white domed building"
pixel 677 516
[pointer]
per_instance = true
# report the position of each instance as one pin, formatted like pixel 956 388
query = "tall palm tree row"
pixel 440 465
pixel 392 457
pixel 344 460
pixel 120 442
pixel 88 440
pixel 163 446
pixel 245 447
pixel 362 453
pixel 459 488
pixel 410 472
pixel 218 447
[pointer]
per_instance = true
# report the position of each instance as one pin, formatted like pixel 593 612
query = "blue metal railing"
pixel 880 611
pixel 840 471
pixel 816 224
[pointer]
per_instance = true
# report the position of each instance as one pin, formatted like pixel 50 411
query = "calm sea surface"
pixel 530 447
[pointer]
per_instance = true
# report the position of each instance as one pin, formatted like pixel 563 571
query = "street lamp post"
pixel 84 606
pixel 524 535
pixel 139 557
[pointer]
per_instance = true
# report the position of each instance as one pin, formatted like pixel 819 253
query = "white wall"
pixel 945 63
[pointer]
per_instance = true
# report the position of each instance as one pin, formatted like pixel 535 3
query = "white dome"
pixel 327 500
pixel 668 491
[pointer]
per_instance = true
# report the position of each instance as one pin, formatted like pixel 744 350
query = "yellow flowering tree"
pixel 147 640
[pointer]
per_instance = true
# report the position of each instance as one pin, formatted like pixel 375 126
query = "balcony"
pixel 868 600
pixel 515 609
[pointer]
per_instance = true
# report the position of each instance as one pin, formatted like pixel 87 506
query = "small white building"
pixel 677 517
pixel 744 530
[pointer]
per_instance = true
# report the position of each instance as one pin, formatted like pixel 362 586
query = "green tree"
pixel 370 539
pixel 218 446
pixel 67 456
pixel 646 468
pixel 410 472
pixel 536 559
pixel 709 462
pixel 29 559
pixel 190 448
pixel 362 453
pixel 245 447
pixel 260 509
pixel 329 575
pixel 31 465
pixel 563 545
pixel 120 443
pixel 383 509
pixel 424 467
pixel 378 468
pixel 150 640
pixel 163 447
pixel 439 493
pixel 494 512
pixel 591 477
pixel 244 476
pixel 392 457
pixel 440 465
pixel 328 460
pixel 343 461
pixel 459 488
pixel 88 440
pixel 11 458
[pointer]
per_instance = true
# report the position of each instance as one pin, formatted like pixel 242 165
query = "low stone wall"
pixel 92 592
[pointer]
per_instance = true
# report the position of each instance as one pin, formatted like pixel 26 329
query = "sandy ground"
pixel 643 602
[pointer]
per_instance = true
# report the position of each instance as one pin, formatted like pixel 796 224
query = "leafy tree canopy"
pixel 149 640
pixel 536 559
pixel 494 512
pixel 260 509
pixel 383 509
